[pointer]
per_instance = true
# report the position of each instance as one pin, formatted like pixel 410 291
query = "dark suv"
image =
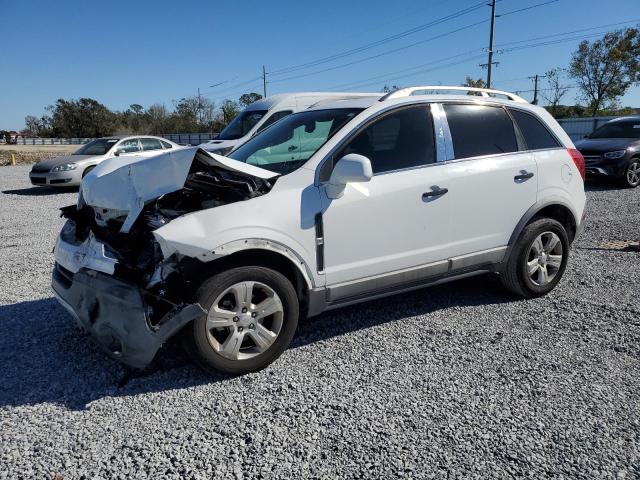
pixel 613 150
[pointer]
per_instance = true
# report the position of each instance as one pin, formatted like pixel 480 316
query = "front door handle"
pixel 436 192
pixel 524 175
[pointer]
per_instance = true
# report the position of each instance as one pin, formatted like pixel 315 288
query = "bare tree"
pixel 555 90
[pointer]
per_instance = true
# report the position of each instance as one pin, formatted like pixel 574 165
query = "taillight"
pixel 578 159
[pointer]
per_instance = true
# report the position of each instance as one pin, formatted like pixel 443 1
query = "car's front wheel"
pixel 631 176
pixel 538 259
pixel 252 317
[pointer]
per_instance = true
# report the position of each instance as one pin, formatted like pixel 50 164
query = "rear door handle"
pixel 434 193
pixel 524 175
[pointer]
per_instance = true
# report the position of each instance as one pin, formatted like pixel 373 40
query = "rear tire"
pixel 631 177
pixel 252 317
pixel 538 259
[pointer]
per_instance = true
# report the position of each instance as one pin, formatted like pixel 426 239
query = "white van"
pixel 259 115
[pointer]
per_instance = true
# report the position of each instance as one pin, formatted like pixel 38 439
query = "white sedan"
pixel 68 170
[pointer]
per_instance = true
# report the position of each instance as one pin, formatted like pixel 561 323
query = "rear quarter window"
pixel 535 134
pixel 478 130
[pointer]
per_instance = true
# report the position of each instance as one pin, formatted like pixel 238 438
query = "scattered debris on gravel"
pixel 455 381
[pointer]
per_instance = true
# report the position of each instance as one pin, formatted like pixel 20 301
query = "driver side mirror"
pixel 352 168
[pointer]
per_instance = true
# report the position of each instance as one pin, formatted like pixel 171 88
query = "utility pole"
pixel 535 79
pixel 264 81
pixel 199 107
pixel 490 60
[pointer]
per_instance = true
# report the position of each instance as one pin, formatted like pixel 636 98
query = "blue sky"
pixel 155 52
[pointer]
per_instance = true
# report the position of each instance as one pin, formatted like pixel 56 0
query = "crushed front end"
pixel 117 283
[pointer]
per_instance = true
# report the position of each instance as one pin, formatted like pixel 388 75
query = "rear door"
pixel 492 179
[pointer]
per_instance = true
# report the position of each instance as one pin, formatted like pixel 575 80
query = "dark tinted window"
pixel 97 147
pixel 274 118
pixel 241 124
pixel 535 133
pixel 166 144
pixel 150 144
pixel 480 130
pixel 403 139
pixel 618 129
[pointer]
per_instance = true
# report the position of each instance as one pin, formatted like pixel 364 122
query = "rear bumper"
pixel 116 315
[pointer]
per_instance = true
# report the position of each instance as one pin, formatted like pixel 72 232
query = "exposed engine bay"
pixel 139 257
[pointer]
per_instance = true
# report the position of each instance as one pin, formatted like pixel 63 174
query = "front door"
pixel 394 228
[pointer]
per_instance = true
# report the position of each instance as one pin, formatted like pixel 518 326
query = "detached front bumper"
pixel 117 317
pixel 118 314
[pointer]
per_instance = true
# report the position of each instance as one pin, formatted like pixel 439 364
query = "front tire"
pixel 252 317
pixel 538 259
pixel 631 177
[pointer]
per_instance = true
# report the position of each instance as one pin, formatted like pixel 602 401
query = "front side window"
pixel 534 132
pixel 618 129
pixel 399 140
pixel 274 118
pixel 150 144
pixel 241 125
pixel 293 140
pixel 128 146
pixel 97 147
pixel 478 130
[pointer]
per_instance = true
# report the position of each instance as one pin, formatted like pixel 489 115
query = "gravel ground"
pixel 456 381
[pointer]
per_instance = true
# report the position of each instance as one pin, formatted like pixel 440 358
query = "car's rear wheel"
pixel 252 317
pixel 631 176
pixel 538 259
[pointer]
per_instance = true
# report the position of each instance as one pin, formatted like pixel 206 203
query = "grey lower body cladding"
pixel 115 313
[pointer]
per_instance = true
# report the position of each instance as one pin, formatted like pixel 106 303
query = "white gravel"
pixel 456 381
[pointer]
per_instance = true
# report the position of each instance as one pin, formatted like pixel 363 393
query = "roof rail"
pixel 484 92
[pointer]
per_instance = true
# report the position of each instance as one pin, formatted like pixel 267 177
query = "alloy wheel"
pixel 633 173
pixel 245 320
pixel 544 258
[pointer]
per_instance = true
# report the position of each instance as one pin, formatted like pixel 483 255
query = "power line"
pixel 377 43
pixel 388 52
pixel 526 8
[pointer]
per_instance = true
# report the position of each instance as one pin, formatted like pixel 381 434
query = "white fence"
pixel 576 128
pixel 179 138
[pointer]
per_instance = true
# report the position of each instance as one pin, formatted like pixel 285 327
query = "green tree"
pixel 247 99
pixel 229 110
pixel 606 68
pixel 470 82
pixel 84 117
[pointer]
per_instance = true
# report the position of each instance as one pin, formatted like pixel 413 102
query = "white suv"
pixel 335 205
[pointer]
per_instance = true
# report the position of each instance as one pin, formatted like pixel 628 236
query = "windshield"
pixel 620 129
pixel 290 142
pixel 97 147
pixel 241 125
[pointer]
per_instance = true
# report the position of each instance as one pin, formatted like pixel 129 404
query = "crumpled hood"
pixel 49 163
pixel 127 183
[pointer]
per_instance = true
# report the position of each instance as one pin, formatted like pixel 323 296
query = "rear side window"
pixel 403 139
pixel 166 144
pixel 150 144
pixel 274 118
pixel 480 130
pixel 533 130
